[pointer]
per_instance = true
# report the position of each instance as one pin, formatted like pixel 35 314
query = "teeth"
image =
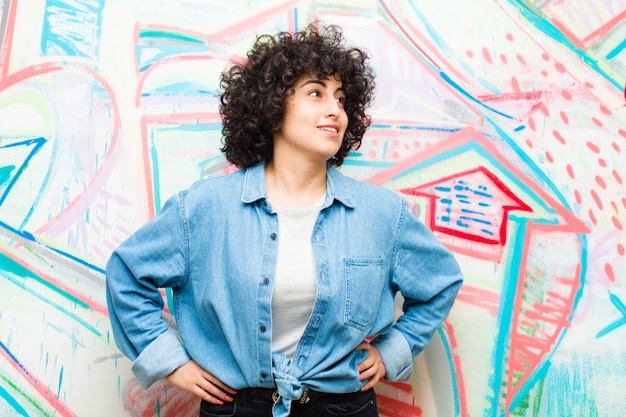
pixel 329 129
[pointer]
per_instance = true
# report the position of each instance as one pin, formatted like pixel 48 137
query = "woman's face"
pixel 315 120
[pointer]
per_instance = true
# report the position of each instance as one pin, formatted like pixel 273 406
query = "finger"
pixel 214 390
pixel 218 383
pixel 366 364
pixel 202 393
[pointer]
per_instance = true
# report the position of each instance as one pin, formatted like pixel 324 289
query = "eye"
pixel 315 93
pixel 341 100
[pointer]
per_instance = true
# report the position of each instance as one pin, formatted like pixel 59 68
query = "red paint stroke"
pixel 549 157
pixel 486 55
pixel 528 351
pixel 617 177
pixel 605 29
pixel 59 407
pixel 616 147
pixel 570 171
pixel 605 110
pixel 165 119
pixel 600 182
pixel 515 84
pixel 614 205
pixel 593 147
pixel 608 270
pixel 87 300
pixel 592 217
pixel 620 249
pixel 466 136
pixel 597 122
pixel 567 33
pixel 597 199
pixel 564 117
pixel 458 377
pixel 531 95
pixel 7 45
pixel 617 223
pixel 489 300
pixel 393 407
pixel 511 202
pixel 560 67
pixel 558 136
pixel 622 132
pixel 160 400
pixel 29 72
pixel 85 199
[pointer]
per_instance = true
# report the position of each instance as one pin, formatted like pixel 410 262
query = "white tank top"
pixel 295 288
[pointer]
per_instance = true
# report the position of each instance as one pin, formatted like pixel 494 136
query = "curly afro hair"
pixel 255 92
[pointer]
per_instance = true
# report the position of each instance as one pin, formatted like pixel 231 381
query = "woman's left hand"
pixel 372 367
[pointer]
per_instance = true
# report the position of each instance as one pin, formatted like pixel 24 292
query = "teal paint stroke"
pixel 35 145
pixel 12 402
pixel 450 52
pixel 9 383
pixel 552 31
pixel 152 34
pixel 617 50
pixel 505 314
pixel 9 269
pixel 454 378
pixel 617 323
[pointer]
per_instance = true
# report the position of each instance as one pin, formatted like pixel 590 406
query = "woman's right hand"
pixel 193 378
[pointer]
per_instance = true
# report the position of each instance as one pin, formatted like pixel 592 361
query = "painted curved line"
pixel 164 62
pixel 29 72
pixel 82 201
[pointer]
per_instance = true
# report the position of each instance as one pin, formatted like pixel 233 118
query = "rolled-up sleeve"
pixel 152 258
pixel 428 277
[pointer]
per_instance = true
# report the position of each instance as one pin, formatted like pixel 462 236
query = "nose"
pixel 333 109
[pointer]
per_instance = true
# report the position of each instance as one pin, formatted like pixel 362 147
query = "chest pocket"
pixel 364 286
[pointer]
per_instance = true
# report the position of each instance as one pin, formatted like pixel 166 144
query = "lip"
pixel 335 127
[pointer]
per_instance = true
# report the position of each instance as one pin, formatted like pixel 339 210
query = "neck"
pixel 292 186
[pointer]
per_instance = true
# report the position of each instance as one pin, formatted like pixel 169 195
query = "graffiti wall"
pixel 502 122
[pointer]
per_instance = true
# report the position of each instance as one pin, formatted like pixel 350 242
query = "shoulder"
pixel 222 188
pixel 365 193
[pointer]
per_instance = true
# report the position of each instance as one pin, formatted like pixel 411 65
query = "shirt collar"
pixel 336 187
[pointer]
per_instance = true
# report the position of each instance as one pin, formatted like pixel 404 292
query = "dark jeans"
pixel 356 404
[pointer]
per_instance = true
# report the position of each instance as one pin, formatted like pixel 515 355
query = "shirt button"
pixel 263 328
pixel 266 280
pixel 263 375
pixel 273 236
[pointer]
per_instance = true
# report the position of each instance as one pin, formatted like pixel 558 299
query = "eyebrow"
pixel 319 82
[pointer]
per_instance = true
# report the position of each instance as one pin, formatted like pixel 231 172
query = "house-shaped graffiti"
pixel 473 204
pixel 505 219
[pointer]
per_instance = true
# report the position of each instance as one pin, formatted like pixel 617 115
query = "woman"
pixel 284 272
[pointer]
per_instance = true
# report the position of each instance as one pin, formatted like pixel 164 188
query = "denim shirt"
pixel 215 246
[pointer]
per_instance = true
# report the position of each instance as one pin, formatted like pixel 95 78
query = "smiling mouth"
pixel 329 129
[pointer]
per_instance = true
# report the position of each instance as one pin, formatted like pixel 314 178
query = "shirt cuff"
pixel 396 354
pixel 159 359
